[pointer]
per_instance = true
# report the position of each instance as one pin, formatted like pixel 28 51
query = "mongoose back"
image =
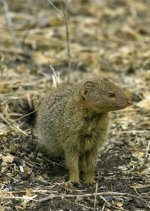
pixel 72 121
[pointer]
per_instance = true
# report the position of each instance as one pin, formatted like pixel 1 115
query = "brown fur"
pixel 72 121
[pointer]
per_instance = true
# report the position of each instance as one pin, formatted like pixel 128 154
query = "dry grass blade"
pixel 55 77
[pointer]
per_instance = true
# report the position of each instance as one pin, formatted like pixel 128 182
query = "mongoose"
pixel 72 121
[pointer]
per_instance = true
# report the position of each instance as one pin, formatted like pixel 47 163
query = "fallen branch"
pixel 53 196
pixel 24 198
pixel 62 196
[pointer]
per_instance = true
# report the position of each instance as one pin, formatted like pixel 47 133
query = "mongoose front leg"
pixel 82 163
pixel 92 156
pixel 89 170
pixel 72 163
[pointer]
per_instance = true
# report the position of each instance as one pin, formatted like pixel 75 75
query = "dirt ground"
pixel 107 37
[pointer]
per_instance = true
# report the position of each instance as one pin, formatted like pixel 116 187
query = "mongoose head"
pixel 102 95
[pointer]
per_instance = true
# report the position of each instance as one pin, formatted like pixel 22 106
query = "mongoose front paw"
pixel 74 179
pixel 89 180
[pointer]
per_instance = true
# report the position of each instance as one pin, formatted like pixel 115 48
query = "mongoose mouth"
pixel 126 104
pixel 129 103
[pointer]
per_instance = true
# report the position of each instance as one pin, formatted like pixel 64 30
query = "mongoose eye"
pixel 111 94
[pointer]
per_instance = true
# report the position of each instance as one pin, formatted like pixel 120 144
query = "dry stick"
pixel 147 150
pixel 13 126
pixel 52 196
pixel 2 65
pixel 24 37
pixel 25 198
pixel 32 112
pixel 2 69
pixel 95 198
pixel 9 22
pixel 64 16
pixel 10 177
pixel 54 163
pixel 134 132
pixel 33 191
pixel 103 208
pixel 25 115
pixel 106 202
pixel 53 5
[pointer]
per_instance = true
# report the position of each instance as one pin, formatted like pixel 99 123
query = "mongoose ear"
pixel 87 86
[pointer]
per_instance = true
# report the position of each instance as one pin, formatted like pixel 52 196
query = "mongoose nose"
pixel 129 102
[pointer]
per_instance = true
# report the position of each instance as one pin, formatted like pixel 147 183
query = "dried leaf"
pixel 144 103
pixel 138 154
pixel 7 159
pixel 118 204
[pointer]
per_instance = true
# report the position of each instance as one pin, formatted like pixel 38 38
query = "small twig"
pixel 95 198
pixel 103 208
pixel 147 150
pixel 73 203
pixel 134 132
pixel 57 10
pixel 10 177
pixel 54 163
pixel 65 15
pixel 30 163
pixel 25 115
pixel 33 191
pixel 24 198
pixel 2 65
pixel 13 126
pixel 106 202
pixel 9 22
pixel 24 37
